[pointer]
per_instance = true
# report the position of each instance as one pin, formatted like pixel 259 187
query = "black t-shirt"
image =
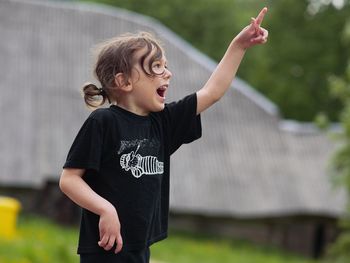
pixel 127 161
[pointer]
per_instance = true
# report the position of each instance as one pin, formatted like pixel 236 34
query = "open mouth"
pixel 161 90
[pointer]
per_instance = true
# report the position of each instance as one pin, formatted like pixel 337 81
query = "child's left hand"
pixel 253 34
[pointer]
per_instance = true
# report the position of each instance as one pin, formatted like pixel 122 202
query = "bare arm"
pixel 73 185
pixel 223 75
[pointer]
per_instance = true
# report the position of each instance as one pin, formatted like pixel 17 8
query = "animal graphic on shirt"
pixel 139 165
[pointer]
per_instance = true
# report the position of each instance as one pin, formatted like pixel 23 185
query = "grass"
pixel 40 240
pixel 189 248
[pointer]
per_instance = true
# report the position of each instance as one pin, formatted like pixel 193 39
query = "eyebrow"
pixel 161 60
pixel 164 59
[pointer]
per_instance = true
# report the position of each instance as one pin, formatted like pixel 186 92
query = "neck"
pixel 130 106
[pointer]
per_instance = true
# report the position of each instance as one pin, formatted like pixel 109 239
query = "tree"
pixel 304 45
pixel 302 51
pixel 340 88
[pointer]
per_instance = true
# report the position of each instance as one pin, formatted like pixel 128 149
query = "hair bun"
pixel 91 93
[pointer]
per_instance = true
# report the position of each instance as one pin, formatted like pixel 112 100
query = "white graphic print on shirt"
pixel 140 165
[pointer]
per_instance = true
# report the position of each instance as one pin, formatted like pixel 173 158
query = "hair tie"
pixel 101 91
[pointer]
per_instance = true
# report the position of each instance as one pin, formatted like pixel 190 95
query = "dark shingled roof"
pixel 248 163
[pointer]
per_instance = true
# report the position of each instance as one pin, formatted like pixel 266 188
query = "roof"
pixel 244 166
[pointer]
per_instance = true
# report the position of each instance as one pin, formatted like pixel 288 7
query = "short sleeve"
pixel 85 152
pixel 184 125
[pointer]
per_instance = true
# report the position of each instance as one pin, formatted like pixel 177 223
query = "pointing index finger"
pixel 261 15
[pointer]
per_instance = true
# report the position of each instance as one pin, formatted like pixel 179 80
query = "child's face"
pixel 148 92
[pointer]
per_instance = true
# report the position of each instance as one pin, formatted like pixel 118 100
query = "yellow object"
pixel 9 208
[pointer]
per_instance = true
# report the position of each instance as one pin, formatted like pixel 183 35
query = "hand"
pixel 109 227
pixel 253 34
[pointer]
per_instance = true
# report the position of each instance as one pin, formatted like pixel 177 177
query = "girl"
pixel 117 169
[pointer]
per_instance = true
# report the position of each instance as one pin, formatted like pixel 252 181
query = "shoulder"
pixel 180 109
pixel 190 99
pixel 101 117
pixel 187 104
pixel 101 114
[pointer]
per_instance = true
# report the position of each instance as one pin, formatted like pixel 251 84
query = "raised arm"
pixel 223 75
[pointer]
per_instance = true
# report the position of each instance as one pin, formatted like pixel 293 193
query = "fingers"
pixel 265 33
pixel 259 31
pixel 253 22
pixel 119 241
pixel 104 242
pixel 109 231
pixel 261 15
pixel 255 26
pixel 108 242
pixel 261 38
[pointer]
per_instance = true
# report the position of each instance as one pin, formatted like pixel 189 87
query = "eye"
pixel 158 67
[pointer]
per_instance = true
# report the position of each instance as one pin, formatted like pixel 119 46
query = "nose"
pixel 167 73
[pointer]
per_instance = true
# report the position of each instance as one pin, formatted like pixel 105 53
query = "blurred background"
pixel 269 180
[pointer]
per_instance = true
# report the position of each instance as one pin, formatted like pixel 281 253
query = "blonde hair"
pixel 117 55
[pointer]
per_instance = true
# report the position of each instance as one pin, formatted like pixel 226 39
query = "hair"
pixel 117 55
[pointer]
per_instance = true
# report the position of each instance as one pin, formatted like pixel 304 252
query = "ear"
pixel 122 82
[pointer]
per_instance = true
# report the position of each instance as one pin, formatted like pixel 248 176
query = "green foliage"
pixel 291 70
pixel 340 88
pixel 340 251
pixel 303 49
pixel 322 121
pixel 40 241
pixel 184 247
pixel 197 21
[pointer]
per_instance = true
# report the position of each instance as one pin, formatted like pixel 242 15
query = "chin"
pixel 159 107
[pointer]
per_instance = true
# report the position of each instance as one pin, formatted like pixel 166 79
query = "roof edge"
pixel 307 128
pixel 243 87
